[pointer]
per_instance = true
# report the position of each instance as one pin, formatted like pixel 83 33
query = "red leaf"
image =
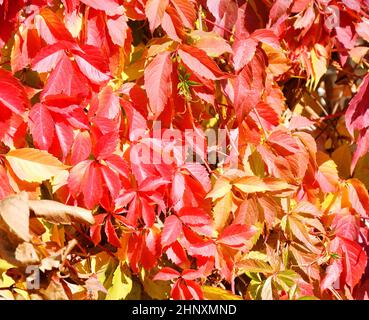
pixel 195 290
pixel 106 145
pixel 118 164
pixel 171 24
pixel 56 28
pixel 353 4
pixel 12 93
pixel 117 28
pixel 48 57
pixel 332 273
pixel 191 274
pixel 249 86
pixel 359 197
pixel 266 36
pixel 346 225
pixel 41 125
pixel 95 230
pixel 92 64
pixel 357 114
pixel 198 61
pixel 166 274
pixel 236 235
pixel 194 216
pixel 76 177
pixel 111 234
pixel 177 254
pixel 180 291
pixel 354 263
pixel 283 143
pixel 152 183
pixel 361 148
pixel 171 230
pixel 65 136
pixel 154 10
pixel 243 52
pixel 81 148
pixel 148 212
pixel 5 188
pixel 186 12
pixel 111 7
pixel 92 186
pixel 66 79
pixel 158 82
pixel 111 180
pixel 106 104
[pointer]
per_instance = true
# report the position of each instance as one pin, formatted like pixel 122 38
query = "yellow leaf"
pixel 221 211
pixel 121 284
pixel 362 170
pixel 221 188
pixel 328 174
pixel 256 184
pixel 4 265
pixel 257 255
pixel 214 293
pixel 342 157
pixel 159 290
pixel 253 265
pixel 34 165
pixel 319 63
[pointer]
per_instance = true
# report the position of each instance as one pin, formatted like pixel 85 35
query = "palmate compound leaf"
pixel 33 165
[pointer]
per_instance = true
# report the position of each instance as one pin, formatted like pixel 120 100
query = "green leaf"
pixel 286 279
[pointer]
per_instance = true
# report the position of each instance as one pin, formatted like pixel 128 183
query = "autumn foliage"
pixel 92 92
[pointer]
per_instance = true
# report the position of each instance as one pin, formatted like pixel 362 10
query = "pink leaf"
pixel 117 28
pixel 66 79
pixel 111 7
pixel 41 125
pixel 12 93
pixel 155 11
pixel 166 274
pixel 158 82
pixel 171 231
pixel 243 52
pixel 81 148
pixel 198 61
pixel 236 235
